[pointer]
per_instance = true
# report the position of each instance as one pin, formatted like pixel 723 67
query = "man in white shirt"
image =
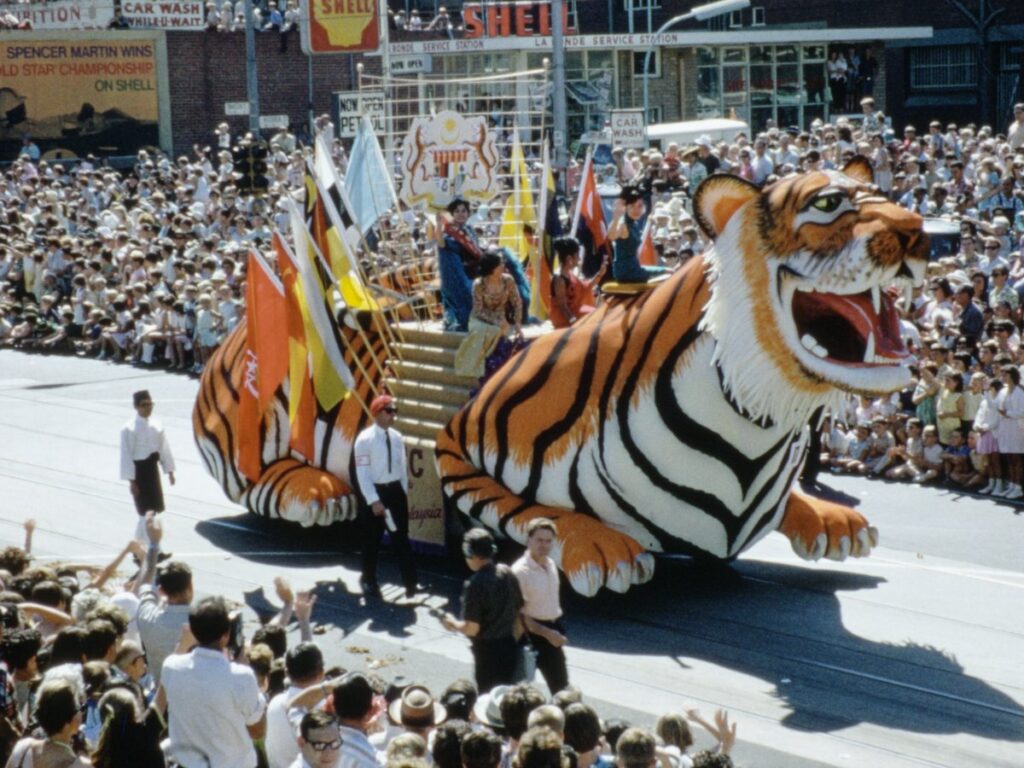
pixel 542 610
pixel 1015 133
pixel 215 706
pixel 762 163
pixel 143 446
pixel 305 667
pixel 383 484
pixel 319 744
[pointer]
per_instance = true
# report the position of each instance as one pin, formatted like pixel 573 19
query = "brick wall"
pixel 207 69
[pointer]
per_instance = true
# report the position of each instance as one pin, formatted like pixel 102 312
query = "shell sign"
pixel 447 156
pixel 343 26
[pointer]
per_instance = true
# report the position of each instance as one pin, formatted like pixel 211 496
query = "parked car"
pixel 943 236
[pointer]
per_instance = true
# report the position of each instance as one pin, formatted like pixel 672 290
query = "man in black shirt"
pixel 491 604
pixel 706 156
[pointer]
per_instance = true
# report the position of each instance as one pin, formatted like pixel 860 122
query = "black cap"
pixel 140 397
pixel 478 542
pixel 630 193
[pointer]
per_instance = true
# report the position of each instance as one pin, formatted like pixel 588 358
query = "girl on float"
pixel 626 234
pixel 458 258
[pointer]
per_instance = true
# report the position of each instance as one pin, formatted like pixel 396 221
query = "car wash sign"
pixel 164 15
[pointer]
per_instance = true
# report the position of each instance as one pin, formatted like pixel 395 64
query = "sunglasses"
pixel 145 403
pixel 323 746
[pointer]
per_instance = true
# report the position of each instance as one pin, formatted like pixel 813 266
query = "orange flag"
pixel 301 405
pixel 266 359
pixel 648 257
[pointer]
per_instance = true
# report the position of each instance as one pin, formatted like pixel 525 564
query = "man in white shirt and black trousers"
pixel 144 449
pixel 383 484
pixel 542 609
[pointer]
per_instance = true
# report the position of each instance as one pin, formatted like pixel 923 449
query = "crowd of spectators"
pixel 147 671
pixel 145 266
pixel 221 16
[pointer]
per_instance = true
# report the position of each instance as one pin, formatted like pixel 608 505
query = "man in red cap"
pixel 383 484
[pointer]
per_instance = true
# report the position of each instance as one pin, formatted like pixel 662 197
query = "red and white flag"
pixel 588 224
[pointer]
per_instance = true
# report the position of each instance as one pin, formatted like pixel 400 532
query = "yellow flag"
pixel 332 378
pixel 519 211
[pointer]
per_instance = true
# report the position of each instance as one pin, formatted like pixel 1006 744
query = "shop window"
pixel 953 66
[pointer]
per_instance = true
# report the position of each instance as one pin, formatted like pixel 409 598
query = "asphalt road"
pixel 912 657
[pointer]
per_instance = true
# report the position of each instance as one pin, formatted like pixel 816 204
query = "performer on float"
pixel 626 233
pixel 458 257
pixel 571 296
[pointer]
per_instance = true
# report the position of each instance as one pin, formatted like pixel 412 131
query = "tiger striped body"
pixel 677 420
pixel 650 441
pixel 318 491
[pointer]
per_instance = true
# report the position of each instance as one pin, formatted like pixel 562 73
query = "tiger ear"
pixel 718 198
pixel 860 169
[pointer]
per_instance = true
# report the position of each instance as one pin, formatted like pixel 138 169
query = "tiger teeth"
pixel 876 299
pixel 869 352
pixel 811 345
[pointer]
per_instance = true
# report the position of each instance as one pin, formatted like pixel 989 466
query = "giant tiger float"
pixel 673 420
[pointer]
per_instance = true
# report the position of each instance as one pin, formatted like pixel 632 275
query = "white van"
pixel 687 132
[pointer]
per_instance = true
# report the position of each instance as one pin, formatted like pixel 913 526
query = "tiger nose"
pixel 905 226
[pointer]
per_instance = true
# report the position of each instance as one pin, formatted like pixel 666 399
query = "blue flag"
pixel 368 181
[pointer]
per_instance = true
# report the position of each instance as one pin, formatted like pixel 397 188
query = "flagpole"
pixel 381 369
pixel 341 334
pixel 332 213
pixel 579 198
pixel 387 335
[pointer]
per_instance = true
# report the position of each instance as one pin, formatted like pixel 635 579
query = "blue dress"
pixel 626 266
pixel 456 285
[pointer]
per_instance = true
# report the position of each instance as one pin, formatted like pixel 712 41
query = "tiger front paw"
pixel 817 528
pixel 592 556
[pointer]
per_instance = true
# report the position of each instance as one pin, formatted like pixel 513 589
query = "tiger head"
pixel 805 274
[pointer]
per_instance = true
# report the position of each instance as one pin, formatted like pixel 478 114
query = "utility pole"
pixel 701 13
pixel 558 82
pixel 252 83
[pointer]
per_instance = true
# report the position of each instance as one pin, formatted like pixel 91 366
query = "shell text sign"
pixel 343 26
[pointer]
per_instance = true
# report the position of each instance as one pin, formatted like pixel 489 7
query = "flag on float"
pixel 648 255
pixel 301 407
pixel 368 181
pixel 266 358
pixel 588 224
pixel 551 227
pixel 329 220
pixel 332 378
pixel 519 212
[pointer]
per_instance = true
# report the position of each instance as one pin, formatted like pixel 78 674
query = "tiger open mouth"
pixel 853 330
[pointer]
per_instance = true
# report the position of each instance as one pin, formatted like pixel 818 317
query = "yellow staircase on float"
pixel 428 390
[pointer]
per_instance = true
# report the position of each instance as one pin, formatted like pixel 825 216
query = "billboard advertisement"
pixel 79 95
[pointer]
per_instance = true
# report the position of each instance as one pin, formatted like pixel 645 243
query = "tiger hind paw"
pixel 817 528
